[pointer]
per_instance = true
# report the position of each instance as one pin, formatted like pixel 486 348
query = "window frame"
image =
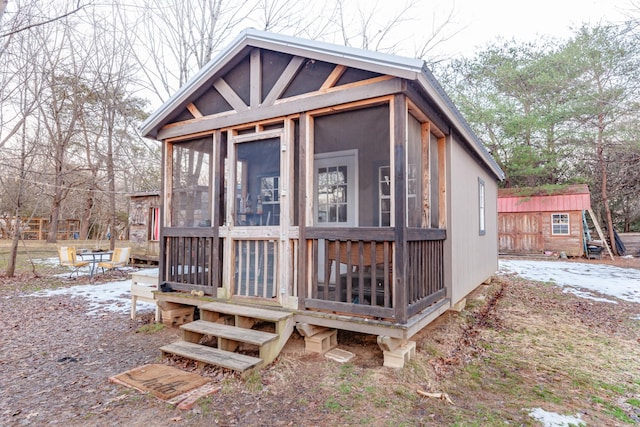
pixel 482 213
pixel 568 224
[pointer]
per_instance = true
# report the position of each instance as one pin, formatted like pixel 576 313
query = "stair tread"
pixel 243 310
pixel 212 356
pixel 249 336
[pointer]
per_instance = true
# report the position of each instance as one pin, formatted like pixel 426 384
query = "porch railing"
pixel 191 259
pixel 256 268
pixel 424 280
pixel 351 271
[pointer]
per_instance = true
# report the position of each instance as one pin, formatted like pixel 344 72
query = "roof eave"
pixel 406 68
pixel 444 104
pixel 148 127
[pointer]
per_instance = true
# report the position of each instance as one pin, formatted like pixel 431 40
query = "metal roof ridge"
pixel 404 67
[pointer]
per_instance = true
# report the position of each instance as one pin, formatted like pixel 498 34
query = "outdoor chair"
pixel 120 258
pixel 68 258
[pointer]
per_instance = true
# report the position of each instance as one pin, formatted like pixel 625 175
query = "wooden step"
pixel 212 356
pixel 249 336
pixel 246 311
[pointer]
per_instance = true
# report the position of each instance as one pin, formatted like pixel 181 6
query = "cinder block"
pixel 400 356
pixel 167 305
pixel 322 342
pixel 339 355
pixel 178 316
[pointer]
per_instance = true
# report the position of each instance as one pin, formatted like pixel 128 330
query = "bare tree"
pixel 17 158
pixel 34 9
pixel 174 38
pixel 60 108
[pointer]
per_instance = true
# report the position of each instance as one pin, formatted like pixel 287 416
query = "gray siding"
pixel 474 256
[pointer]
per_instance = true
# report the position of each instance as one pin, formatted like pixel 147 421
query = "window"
pixel 481 204
pixel 336 182
pixel 560 224
pixel 154 224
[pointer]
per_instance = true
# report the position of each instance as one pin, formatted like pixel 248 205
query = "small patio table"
pixel 94 257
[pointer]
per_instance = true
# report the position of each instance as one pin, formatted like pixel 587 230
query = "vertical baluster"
pixel 360 272
pixel 388 282
pixel 349 290
pixel 314 269
pixel 373 283
pixel 265 267
pixel 327 270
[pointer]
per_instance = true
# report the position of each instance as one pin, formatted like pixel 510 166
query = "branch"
pixel 48 21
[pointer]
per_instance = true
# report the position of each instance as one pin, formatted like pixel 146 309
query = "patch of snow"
pixel 622 283
pixel 82 271
pixel 586 295
pixel 552 419
pixel 112 296
pixel 47 261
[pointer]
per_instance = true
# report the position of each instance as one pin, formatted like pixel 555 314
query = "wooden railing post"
pixel 399 136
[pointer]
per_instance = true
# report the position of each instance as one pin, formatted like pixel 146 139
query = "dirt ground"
pixel 517 345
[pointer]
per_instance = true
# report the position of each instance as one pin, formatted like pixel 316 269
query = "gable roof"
pixel 406 68
pixel 563 199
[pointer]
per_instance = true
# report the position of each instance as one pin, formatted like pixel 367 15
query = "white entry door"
pixel 336 195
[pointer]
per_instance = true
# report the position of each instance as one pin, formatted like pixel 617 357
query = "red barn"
pixel 532 220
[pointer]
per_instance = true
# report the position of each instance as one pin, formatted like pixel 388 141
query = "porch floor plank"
pixel 249 336
pixel 246 311
pixel 212 356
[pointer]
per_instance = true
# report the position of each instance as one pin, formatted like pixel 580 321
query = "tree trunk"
pixel 52 236
pixel 603 188
pixel 86 216
pixel 58 195
pixel 15 240
pixel 111 176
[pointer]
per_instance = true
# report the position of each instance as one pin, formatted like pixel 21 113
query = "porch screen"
pixel 191 184
pixel 416 208
pixel 257 201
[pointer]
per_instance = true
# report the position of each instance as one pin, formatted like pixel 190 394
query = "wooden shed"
pixel 335 187
pixel 144 226
pixel 535 221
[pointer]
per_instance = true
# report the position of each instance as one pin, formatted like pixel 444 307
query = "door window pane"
pixel 332 194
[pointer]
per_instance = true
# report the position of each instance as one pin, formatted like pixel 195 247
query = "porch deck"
pixel 344 321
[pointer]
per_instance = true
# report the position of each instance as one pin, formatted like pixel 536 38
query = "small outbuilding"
pixel 337 187
pixel 144 226
pixel 536 220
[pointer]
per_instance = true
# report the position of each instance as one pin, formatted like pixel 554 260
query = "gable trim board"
pixel 403 68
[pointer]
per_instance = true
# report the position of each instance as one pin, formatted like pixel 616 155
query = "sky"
pixel 483 21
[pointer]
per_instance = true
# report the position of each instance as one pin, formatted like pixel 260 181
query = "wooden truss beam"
pixel 317 100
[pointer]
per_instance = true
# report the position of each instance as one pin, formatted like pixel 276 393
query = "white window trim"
pixel 482 213
pixel 568 233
